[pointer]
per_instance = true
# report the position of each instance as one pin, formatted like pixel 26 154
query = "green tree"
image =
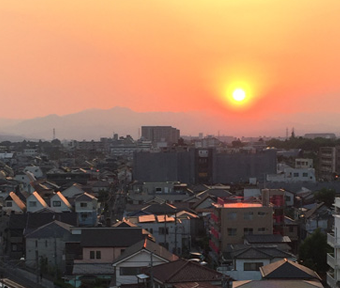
pixel 313 252
pixel 325 195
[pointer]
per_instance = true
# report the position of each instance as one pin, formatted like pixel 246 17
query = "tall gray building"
pixel 160 134
pixel 203 165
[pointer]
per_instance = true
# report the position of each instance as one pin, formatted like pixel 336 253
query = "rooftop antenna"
pixel 287 133
pixel 53 133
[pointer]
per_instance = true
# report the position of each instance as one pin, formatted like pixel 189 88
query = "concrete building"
pixel 327 163
pixel 203 165
pixel 230 222
pixel 157 134
pixel 333 239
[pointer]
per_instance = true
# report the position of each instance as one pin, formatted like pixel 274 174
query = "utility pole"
pixel 165 230
pixel 176 232
pixel 151 270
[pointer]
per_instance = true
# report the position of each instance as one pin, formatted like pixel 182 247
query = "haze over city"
pixel 61 57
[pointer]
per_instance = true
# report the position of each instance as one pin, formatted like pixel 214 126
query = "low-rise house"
pixel 45 246
pixel 182 273
pixel 100 248
pixel 58 202
pixel 13 204
pixel 22 224
pixel 35 202
pixel 247 259
pixel 168 231
pixel 318 216
pixel 73 191
pixel 283 273
pixel 86 206
pixel 138 256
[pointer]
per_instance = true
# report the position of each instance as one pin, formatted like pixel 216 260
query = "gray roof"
pixel 111 237
pixel 147 245
pixel 260 253
pixel 54 229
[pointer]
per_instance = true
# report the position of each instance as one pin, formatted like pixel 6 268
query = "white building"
pixel 333 259
pixel 59 203
pixel 290 175
pixel 35 202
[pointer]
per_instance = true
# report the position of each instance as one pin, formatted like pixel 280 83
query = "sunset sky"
pixel 62 56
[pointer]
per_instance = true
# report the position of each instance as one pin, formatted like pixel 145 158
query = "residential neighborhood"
pixel 166 211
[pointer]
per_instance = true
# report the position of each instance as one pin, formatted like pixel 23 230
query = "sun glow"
pixel 239 95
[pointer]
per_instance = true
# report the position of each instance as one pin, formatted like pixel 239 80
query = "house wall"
pixel 47 248
pixel 62 208
pixel 108 254
pixel 31 207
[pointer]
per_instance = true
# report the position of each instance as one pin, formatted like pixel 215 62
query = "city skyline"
pixel 63 58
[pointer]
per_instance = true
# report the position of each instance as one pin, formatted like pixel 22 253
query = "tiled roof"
pixel 260 253
pixel 277 284
pixel 184 271
pixel 55 229
pixel 286 269
pixel 85 197
pixel 195 285
pixel 147 245
pixel 164 208
pixel 146 218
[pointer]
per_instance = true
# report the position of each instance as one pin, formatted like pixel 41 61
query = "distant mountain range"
pixel 96 123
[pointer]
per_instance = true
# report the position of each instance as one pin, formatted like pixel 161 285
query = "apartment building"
pixel 156 134
pixel 230 222
pixel 333 239
pixel 328 162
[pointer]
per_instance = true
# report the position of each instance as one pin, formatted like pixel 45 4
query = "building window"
pixel 248 215
pixel 252 266
pixel 32 204
pixel 304 174
pixel 128 271
pixel 232 231
pixel 8 204
pixel 261 213
pixel 83 204
pixel 56 203
pixel 262 229
pixel 92 255
pixel 231 215
pixel 291 229
pixel 162 230
pixel 46 243
pixel 248 231
pixel 296 174
pixel 98 255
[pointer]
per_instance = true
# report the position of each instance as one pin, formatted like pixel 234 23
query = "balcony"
pixel 331 260
pixel 330 280
pixel 330 239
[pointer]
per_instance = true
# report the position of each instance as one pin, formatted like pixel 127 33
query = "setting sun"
pixel 239 95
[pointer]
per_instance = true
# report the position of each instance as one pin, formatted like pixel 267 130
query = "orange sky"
pixel 61 56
